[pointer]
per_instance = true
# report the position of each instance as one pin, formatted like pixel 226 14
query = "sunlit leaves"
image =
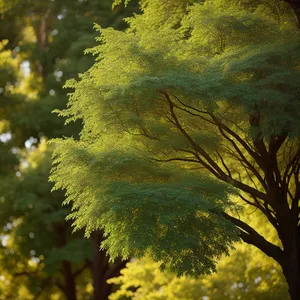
pixel 148 108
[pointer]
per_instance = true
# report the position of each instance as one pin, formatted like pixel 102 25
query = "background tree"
pixel 201 101
pixel 44 45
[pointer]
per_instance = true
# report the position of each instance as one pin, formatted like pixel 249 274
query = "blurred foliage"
pixel 42 45
pixel 49 37
pixel 246 274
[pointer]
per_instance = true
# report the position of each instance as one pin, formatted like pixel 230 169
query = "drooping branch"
pixel 261 200
pixel 265 158
pixel 259 159
pixel 186 159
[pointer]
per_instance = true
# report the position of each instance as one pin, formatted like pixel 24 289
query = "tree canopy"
pixel 194 103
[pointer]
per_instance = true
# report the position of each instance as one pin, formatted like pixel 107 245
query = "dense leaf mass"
pixel 151 107
pixel 143 207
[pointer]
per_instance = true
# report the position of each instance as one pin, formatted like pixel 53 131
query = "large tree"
pixel 196 102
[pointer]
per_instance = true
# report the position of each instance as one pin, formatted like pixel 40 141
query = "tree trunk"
pixel 102 270
pixel 70 285
pixel 291 258
pixel 291 272
pixel 99 267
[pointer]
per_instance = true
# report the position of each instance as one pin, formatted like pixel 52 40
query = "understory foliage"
pixel 175 112
pixel 247 274
pixel 236 278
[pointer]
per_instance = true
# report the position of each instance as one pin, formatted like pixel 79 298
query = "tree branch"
pixel 211 165
pixel 80 270
pixel 252 237
pixel 114 270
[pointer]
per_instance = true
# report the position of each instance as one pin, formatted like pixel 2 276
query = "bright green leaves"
pixel 8 66
pixel 171 221
pixel 233 56
pixel 145 206
pixel 155 107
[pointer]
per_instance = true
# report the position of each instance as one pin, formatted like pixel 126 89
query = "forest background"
pixel 42 45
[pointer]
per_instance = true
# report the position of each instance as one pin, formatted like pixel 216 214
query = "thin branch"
pixel 211 164
pixel 237 137
pixel 177 159
pixel 24 273
pixel 190 107
pixel 80 270
pixel 221 128
pixel 115 269
pixel 224 164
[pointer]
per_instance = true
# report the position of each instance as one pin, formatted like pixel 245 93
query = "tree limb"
pixel 252 237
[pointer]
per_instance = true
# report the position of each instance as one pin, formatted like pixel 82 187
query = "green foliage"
pixel 35 223
pixel 8 160
pixel 52 41
pixel 174 215
pixel 247 274
pixel 151 98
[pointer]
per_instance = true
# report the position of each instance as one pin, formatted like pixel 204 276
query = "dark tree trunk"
pixel 291 272
pixel 99 267
pixel 292 277
pixel 291 262
pixel 102 270
pixel 70 285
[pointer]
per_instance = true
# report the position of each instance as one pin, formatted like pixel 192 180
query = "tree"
pixel 38 238
pixel 194 102
pixel 45 44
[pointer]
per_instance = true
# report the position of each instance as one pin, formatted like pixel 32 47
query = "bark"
pixel 102 270
pixel 99 267
pixel 291 258
pixel 69 287
pixel 291 272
